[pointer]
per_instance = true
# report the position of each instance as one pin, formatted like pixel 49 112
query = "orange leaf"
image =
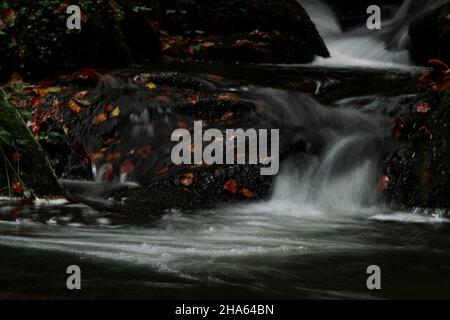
pixel 162 171
pixel 113 156
pixel 193 99
pixel 74 107
pixel 95 155
pixel 383 183
pixel 127 167
pixel 100 118
pixel 246 192
pixel 231 186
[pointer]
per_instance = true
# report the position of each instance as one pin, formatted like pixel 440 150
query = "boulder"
pixel 25 168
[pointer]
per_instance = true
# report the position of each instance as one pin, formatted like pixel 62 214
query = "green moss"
pixel 33 169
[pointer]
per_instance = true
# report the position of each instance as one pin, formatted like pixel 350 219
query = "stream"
pixel 322 226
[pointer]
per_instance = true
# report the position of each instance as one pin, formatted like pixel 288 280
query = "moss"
pixel 33 169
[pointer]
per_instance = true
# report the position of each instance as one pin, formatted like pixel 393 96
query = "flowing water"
pixel 323 225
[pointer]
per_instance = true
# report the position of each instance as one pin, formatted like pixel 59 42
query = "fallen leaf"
pixel 162 98
pixel 247 193
pixel 244 42
pixel 144 152
pixel 16 157
pixel 213 77
pixel 423 107
pixel 182 125
pixel 230 186
pixel 208 44
pixel 100 118
pixel 17 186
pixel 54 89
pixel 74 107
pixel 151 86
pixel 113 156
pixel 162 171
pixel 383 183
pixel 399 125
pixel 107 108
pixel 81 95
pixel 93 156
pixel 442 85
pixel 127 167
pixel 108 170
pixel 438 65
pixel 229 97
pixel 193 99
pixel 187 179
pixel 115 112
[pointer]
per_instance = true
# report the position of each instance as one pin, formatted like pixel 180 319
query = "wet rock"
pixel 25 169
pixel 420 171
pixel 230 31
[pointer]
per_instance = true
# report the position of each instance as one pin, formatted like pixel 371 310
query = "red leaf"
pixel 247 192
pixel 231 186
pixel 127 167
pixel 399 125
pixel 162 171
pixel 16 157
pixel 17 186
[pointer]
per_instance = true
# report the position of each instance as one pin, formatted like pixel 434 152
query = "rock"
pixel 122 127
pixel 430 36
pixel 23 162
pixel 243 30
pixel 420 171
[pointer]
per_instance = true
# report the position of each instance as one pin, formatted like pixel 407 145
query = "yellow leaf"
pixel 115 112
pixel 151 86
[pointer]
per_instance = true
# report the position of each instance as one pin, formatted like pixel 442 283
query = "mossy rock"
pixel 30 166
pixel 420 172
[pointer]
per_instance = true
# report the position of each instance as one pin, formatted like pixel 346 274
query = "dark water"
pixel 266 250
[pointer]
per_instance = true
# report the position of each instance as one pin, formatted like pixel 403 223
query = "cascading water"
pixel 363 47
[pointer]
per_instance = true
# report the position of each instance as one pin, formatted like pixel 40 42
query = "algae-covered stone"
pixel 22 159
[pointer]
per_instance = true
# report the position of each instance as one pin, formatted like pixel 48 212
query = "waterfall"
pixel 341 174
pixel 363 47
